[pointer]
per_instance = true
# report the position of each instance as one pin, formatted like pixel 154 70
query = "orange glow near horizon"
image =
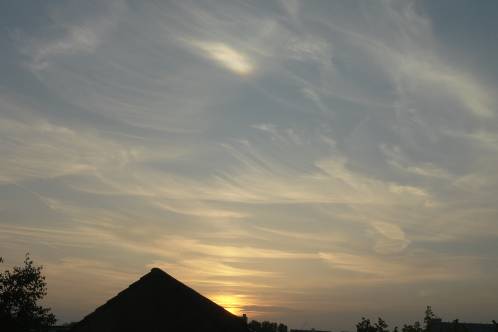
pixel 231 302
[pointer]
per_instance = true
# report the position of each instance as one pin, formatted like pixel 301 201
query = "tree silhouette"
pixel 365 326
pixel 282 328
pixel 255 326
pixel 412 328
pixel 381 325
pixel 20 290
pixel 429 316
pixel 266 326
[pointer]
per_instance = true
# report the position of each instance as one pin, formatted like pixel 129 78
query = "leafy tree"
pixel 429 316
pixel 266 326
pixel 255 326
pixel 365 326
pixel 282 328
pixel 381 325
pixel 20 290
pixel 416 327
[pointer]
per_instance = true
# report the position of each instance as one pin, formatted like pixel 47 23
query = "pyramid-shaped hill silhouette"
pixel 159 302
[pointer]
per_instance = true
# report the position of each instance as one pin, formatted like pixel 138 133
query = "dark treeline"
pixel 365 325
pixel 266 326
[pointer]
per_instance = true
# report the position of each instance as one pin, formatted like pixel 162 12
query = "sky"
pixel 309 162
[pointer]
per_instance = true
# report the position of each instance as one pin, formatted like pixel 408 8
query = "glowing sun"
pixel 231 302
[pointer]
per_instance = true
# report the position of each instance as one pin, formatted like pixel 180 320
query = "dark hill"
pixel 159 302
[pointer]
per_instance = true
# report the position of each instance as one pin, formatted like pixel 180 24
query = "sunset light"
pixel 301 162
pixel 231 302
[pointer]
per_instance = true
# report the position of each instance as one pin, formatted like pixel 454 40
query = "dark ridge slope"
pixel 159 302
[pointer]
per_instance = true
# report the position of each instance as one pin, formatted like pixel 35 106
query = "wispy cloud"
pixel 226 56
pixel 74 39
pixel 277 153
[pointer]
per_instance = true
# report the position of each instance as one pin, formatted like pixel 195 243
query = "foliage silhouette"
pixel 416 327
pixel 20 290
pixel 266 326
pixel 381 325
pixel 282 328
pixel 365 326
pixel 428 318
pixel 432 323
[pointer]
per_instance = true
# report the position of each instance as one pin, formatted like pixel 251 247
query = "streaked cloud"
pixel 73 39
pixel 284 157
pixel 77 39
